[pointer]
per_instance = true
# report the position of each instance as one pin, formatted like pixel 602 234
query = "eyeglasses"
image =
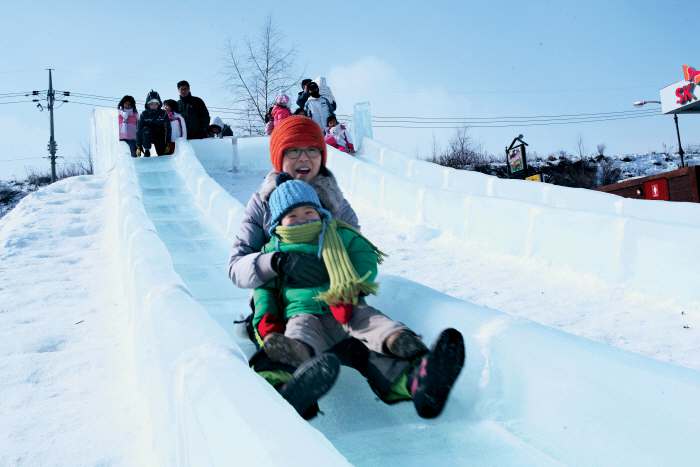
pixel 295 153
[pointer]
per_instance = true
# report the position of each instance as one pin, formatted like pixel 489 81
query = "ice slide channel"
pixel 530 395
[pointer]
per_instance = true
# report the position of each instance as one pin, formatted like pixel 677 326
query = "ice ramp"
pixel 530 395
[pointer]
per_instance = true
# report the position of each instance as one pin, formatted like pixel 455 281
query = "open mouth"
pixel 302 170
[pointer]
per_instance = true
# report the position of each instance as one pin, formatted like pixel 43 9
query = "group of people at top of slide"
pixel 316 101
pixel 301 251
pixel 162 122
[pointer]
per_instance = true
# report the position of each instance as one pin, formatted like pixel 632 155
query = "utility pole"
pixel 678 134
pixel 50 98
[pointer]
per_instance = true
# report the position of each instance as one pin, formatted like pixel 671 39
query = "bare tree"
pixel 461 152
pixel 601 149
pixel 581 147
pixel 256 71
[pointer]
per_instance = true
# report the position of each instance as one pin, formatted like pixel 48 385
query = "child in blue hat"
pixel 295 324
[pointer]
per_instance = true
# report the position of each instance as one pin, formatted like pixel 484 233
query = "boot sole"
pixel 444 364
pixel 285 350
pixel 311 381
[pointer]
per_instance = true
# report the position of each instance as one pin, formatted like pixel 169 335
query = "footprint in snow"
pixel 51 345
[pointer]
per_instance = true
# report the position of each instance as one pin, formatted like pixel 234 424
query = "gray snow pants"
pixel 368 325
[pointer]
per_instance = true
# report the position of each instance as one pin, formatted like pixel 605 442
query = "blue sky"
pixel 457 59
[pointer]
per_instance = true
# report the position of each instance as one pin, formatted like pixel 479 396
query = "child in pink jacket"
pixel 338 136
pixel 128 121
pixel 278 112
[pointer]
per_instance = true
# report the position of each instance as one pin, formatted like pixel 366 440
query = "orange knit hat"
pixel 296 131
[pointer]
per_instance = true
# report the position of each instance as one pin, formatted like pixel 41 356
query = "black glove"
pixel 300 269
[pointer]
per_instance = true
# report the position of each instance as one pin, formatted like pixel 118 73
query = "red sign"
pixel 684 94
pixel 656 189
pixel 691 74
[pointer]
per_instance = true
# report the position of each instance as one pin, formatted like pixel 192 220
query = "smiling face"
pixel 302 163
pixel 300 215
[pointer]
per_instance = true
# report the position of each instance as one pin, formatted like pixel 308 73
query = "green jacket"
pixel 276 297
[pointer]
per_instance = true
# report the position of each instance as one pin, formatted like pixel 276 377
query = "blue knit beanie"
pixel 289 194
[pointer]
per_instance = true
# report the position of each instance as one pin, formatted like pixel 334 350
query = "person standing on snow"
pixel 278 112
pixel 318 108
pixel 303 95
pixel 194 111
pixel 178 127
pixel 153 128
pixel 396 363
pixel 326 92
pixel 128 122
pixel 218 129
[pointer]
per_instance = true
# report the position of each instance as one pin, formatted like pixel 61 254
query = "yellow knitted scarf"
pixel 346 285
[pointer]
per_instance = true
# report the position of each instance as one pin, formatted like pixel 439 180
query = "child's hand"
pixel 342 312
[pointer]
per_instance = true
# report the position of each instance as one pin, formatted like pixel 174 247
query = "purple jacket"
pixel 247 267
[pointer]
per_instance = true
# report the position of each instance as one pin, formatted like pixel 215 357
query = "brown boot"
pixel 405 344
pixel 283 349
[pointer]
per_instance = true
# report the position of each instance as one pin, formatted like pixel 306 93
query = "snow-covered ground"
pixel 66 379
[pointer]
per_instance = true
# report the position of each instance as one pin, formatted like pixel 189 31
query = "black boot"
pixel 311 381
pixel 434 376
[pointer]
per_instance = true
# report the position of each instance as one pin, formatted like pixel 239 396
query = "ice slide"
pixel 530 395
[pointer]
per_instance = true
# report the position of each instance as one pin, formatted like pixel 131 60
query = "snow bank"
pixel 642 245
pixel 207 406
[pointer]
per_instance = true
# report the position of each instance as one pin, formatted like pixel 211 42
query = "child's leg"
pixel 388 371
pixel 384 335
pixel 312 331
pixel 305 335
pixel 301 387
pixel 132 146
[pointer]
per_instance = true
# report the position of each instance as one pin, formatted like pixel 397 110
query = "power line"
pixel 510 125
pixel 23 159
pixel 91 104
pixel 15 102
pixel 524 120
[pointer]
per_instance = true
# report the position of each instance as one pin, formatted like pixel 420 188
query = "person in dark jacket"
pixel 303 96
pixel 153 128
pixel 194 111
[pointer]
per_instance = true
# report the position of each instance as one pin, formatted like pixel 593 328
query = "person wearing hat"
pixel 153 127
pixel 294 324
pixel 297 148
pixel 218 129
pixel 303 95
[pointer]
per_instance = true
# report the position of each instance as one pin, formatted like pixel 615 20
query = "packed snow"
pixel 68 394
